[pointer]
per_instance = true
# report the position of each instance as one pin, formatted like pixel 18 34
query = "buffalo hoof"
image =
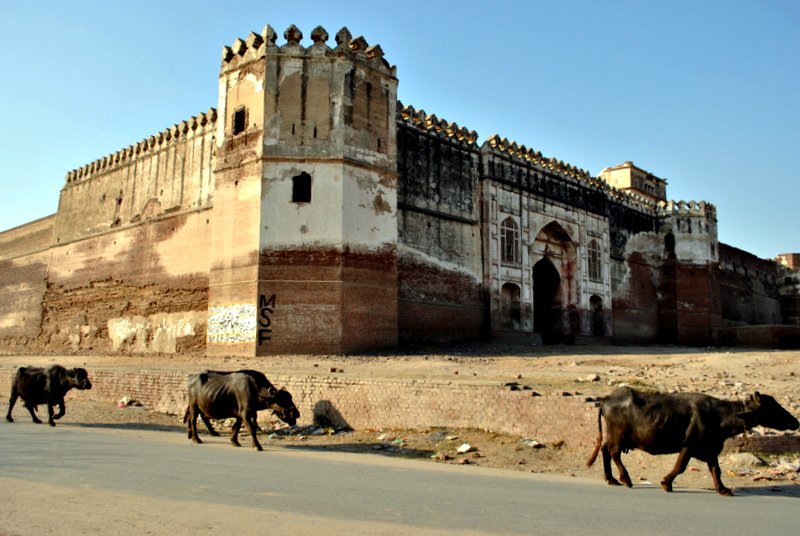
pixel 613 482
pixel 213 433
pixel 725 492
pixel 235 443
pixel 51 423
pixel 197 440
pixel 667 486
pixel 259 447
pixel 9 419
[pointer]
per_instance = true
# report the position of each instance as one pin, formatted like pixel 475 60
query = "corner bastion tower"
pixel 304 227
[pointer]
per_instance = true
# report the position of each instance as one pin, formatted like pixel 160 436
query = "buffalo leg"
pixel 50 412
pixel 193 410
pixel 680 467
pixel 251 423
pixel 713 466
pixel 236 427
pixel 11 402
pixel 207 422
pixel 607 467
pixel 32 410
pixel 61 410
pixel 624 477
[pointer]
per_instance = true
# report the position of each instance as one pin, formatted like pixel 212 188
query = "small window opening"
pixel 239 120
pixel 301 188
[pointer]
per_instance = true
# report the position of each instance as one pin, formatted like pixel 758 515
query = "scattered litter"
pixel 384 437
pixel 441 457
pixel 452 437
pixel 532 443
pixel 464 448
pixel 464 461
pixel 398 441
pixel 126 401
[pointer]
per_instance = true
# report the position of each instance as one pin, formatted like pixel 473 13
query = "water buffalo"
pixel 240 394
pixel 49 385
pixel 692 424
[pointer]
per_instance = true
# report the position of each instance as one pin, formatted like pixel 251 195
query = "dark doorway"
pixel 510 307
pixel 598 322
pixel 547 310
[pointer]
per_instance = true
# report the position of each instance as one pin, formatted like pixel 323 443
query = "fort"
pixel 312 212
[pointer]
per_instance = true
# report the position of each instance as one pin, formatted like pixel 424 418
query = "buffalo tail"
pixel 599 442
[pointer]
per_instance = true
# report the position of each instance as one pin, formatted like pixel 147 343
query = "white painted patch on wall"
pixel 155 333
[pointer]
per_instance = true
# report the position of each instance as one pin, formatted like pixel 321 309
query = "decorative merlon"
pixel 433 124
pixel 256 46
pixel 203 122
pixel 687 208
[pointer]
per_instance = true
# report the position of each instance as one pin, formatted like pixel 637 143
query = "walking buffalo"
pixel 240 394
pixel 49 385
pixel 690 424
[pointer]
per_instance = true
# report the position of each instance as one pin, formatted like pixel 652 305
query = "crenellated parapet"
pixel 259 45
pixel 436 126
pixel 203 122
pixel 687 208
pixel 528 156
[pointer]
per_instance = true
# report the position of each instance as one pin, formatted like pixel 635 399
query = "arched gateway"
pixel 547 310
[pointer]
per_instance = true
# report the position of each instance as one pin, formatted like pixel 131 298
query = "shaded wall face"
pixel 749 288
pixel 440 296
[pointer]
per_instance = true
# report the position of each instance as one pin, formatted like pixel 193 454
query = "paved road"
pixel 83 480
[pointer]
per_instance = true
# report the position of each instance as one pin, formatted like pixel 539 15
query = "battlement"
pixel 258 45
pixel 436 126
pixel 178 132
pixel 687 208
pixel 525 155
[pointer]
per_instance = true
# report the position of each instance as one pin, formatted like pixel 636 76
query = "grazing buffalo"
pixel 692 424
pixel 240 394
pixel 49 385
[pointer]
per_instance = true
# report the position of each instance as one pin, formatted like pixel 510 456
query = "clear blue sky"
pixel 705 94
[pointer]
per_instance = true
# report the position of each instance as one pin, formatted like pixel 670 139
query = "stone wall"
pixel 749 288
pixel 440 292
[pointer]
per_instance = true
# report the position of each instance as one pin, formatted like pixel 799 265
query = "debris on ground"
pixel 532 443
pixel 126 401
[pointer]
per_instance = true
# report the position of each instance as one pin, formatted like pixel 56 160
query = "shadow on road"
pixel 128 426
pixel 378 448
pixel 778 490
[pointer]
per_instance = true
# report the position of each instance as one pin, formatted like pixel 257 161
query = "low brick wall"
pixel 374 404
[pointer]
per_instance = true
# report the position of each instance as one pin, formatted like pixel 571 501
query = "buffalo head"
pixel 766 411
pixel 79 379
pixel 283 407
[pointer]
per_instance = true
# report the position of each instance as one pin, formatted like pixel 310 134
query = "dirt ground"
pixel 728 374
